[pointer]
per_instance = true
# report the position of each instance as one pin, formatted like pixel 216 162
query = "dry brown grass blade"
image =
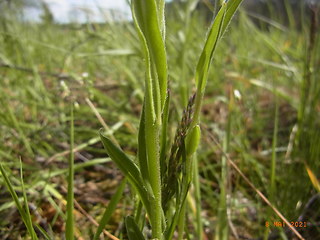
pixel 76 149
pixel 99 117
pixel 262 196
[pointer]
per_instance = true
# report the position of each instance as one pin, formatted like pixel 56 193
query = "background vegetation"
pixel 261 107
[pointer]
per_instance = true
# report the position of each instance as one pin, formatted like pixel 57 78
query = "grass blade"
pixel 70 197
pixel 197 197
pixel 215 33
pixel 26 205
pixel 170 230
pixel 165 118
pixel 142 151
pixel 24 215
pixel 110 209
pixel 133 230
pixel 43 232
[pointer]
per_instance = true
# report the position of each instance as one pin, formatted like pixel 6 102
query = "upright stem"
pixel 181 222
pixel 70 207
pixel 152 149
pixel 197 196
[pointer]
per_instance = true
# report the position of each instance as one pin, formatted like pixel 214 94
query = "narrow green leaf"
pixel 163 143
pixel 126 165
pixel 26 205
pixel 43 232
pixel 128 168
pixel 110 209
pixel 149 83
pixel 232 6
pixel 142 152
pixel 147 15
pixel 133 230
pixel 209 47
pixel 24 216
pixel 70 205
pixel 161 17
pixel 215 33
pixel 179 204
pixel 217 29
pixel 197 197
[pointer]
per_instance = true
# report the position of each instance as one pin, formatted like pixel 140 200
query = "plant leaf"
pixel 26 205
pixel 133 230
pixel 110 209
pixel 24 215
pixel 43 232
pixel 163 150
pixel 126 165
pixel 216 31
pixel 142 152
pixel 128 168
pixel 149 18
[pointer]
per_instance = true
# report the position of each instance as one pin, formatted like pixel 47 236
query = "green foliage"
pixel 165 181
pixel 23 209
pixel 128 168
pixel 125 70
pixel 215 33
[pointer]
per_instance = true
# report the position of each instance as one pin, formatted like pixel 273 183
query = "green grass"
pixel 270 130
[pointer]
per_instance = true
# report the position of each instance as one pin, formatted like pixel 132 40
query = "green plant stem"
pixel 197 196
pixel 26 205
pixel 152 149
pixel 181 221
pixel 70 204
pixel 274 156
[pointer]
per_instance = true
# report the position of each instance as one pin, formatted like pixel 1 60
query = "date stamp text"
pixel 296 224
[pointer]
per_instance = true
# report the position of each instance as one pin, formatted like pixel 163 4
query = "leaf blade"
pixel 23 213
pixel 110 209
pixel 149 18
pixel 128 168
pixel 70 195
pixel 133 230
